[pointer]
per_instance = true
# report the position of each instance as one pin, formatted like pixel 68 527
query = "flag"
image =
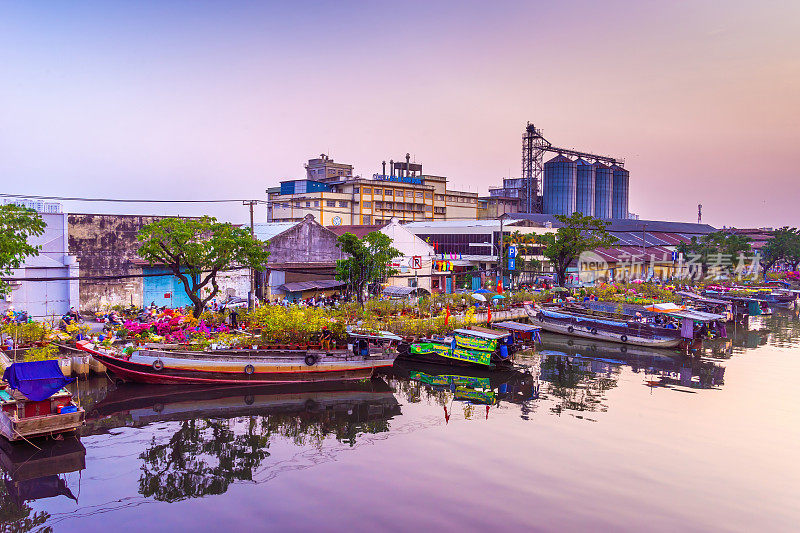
pixel 500 286
pixel 447 316
pixel 488 312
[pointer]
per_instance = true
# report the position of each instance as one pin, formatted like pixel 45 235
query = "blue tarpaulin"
pixel 37 380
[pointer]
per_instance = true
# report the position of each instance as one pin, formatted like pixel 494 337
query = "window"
pixel 342 204
pixel 388 205
pixel 378 205
pixel 412 282
pixel 367 191
pixel 378 192
pixel 439 210
pixel 428 207
pixel 440 197
pixel 297 204
pixel 308 204
pixel 316 203
pixel 388 192
pixel 331 203
pixel 399 194
pixel 419 194
pixel 366 219
pixel 428 195
pixel 355 190
pixel 367 205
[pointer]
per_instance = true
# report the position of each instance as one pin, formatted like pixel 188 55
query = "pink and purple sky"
pixel 179 100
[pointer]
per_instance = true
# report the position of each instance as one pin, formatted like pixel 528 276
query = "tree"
pixel 369 260
pixel 17 225
pixel 525 243
pixel 784 245
pixel 578 234
pixel 196 250
pixel 716 247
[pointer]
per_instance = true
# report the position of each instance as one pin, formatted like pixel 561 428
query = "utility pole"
pixel 251 296
pixel 500 251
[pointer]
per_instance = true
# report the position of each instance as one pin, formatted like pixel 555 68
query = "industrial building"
pixel 590 184
pixel 334 196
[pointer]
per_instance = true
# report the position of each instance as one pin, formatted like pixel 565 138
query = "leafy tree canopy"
pixel 579 234
pixel 196 250
pixel 708 248
pixel 17 225
pixel 369 260
pixel 783 245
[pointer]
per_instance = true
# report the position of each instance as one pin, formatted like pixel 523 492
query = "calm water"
pixel 584 437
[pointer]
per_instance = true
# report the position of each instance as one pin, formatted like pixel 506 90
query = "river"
pixel 581 437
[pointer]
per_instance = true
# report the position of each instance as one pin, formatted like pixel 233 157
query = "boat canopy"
pixel 581 318
pixel 703 299
pixel 516 326
pixel 37 380
pixel 697 316
pixel 667 307
pixel 377 335
pixel 484 334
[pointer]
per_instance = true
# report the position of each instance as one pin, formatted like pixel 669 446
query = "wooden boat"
pixel 602 328
pixel 475 346
pixel 367 352
pixel 34 402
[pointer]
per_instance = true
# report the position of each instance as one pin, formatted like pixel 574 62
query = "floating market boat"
pixel 366 352
pixel 607 329
pixel 34 402
pixel 471 347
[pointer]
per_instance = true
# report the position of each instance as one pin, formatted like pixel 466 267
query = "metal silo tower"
pixel 619 204
pixel 584 196
pixel 560 186
pixel 603 190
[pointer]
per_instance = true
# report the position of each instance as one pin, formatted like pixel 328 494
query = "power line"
pixel 118 200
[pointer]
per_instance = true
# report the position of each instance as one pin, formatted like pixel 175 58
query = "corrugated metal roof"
pixel 359 231
pixel 300 286
pixel 267 230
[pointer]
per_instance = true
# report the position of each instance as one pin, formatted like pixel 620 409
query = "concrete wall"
pixel 307 242
pixel 106 246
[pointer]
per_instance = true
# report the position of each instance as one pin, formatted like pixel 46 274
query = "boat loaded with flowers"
pixel 223 364
pixel 475 346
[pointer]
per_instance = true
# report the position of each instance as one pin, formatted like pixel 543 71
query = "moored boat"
pixel 366 352
pixel 607 329
pixel 475 346
pixel 34 402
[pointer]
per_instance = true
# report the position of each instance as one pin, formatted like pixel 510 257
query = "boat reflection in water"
pixel 472 386
pixel 220 435
pixel 31 473
pixel 660 367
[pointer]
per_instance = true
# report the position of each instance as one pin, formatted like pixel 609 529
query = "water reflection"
pixel 31 474
pixel 223 434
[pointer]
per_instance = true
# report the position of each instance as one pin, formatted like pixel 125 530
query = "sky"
pixel 213 100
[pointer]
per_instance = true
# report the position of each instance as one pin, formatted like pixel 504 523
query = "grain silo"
pixel 603 190
pixel 619 203
pixel 560 175
pixel 584 195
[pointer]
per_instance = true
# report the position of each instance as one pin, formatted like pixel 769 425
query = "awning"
pixel 398 291
pixel 301 286
pixel 668 307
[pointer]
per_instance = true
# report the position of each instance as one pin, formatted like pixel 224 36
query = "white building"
pixel 46 285
pixel 415 265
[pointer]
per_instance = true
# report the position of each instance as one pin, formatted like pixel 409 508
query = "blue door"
pixel 163 290
pixel 449 285
pixel 476 283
